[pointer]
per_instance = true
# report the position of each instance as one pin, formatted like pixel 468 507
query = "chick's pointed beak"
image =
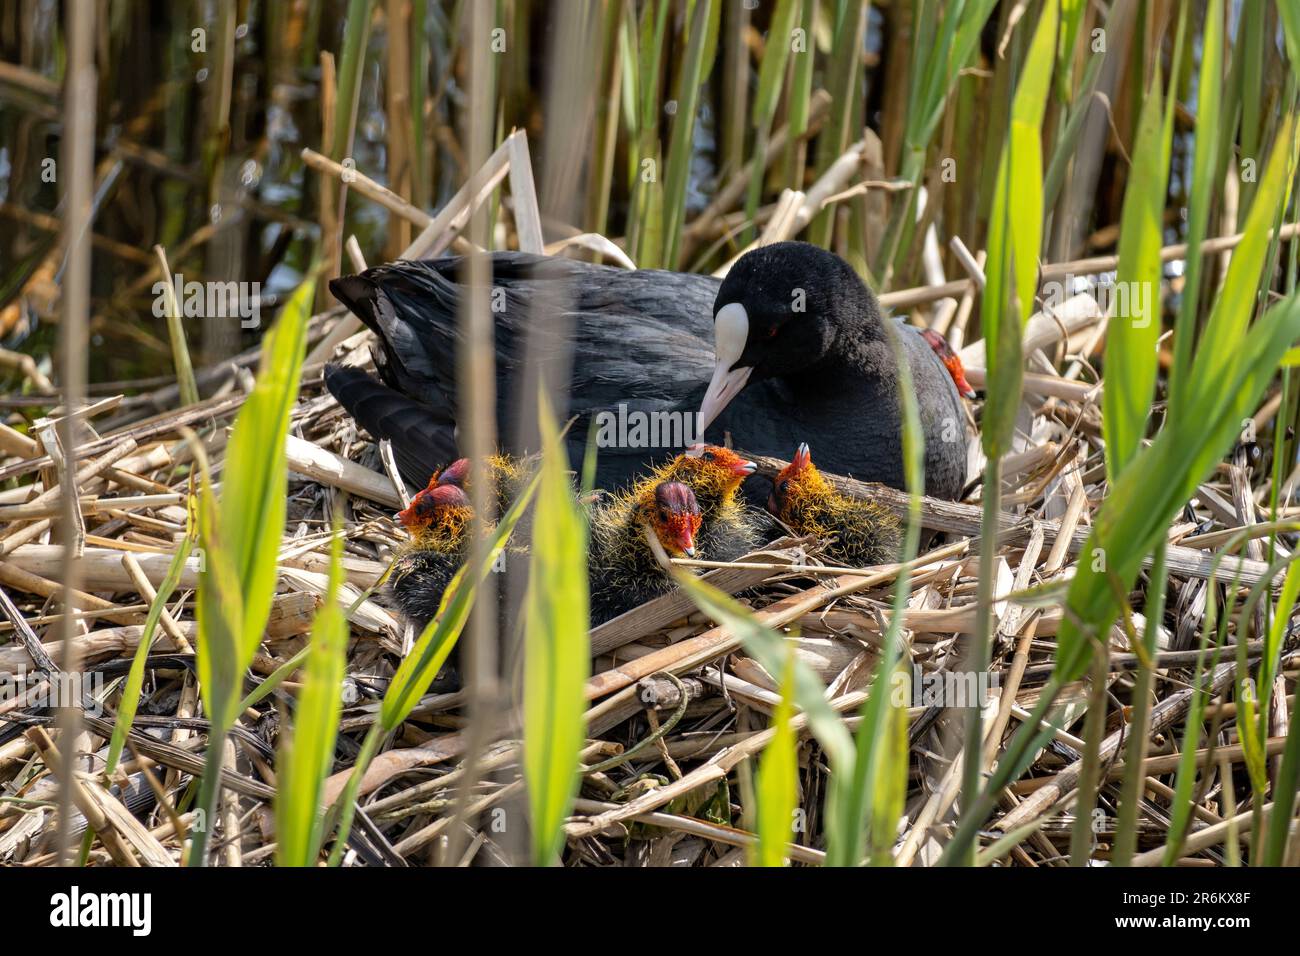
pixel 802 457
pixel 680 533
pixel 958 373
pixel 744 468
pixel 407 515
pixel 730 333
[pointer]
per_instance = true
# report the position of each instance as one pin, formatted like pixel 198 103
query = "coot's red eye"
pixel 771 333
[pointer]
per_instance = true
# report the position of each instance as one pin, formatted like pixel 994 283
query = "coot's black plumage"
pixel 802 353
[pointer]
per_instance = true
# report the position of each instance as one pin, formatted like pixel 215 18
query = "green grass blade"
pixel 557 653
pixel 1136 745
pixel 890 756
pixel 950 58
pixel 185 381
pixel 1066 146
pixel 931 79
pixel 777 785
pixel 1188 770
pixel 842 74
pixel 256 472
pixel 273 680
pixel 776 53
pixel 1289 14
pixel 771 72
pixel 1204 177
pixel 345 807
pixel 1131 336
pixel 649 55
pixel 1015 235
pixel 1235 306
pixel 1272 656
pixel 800 97
pixel 864 805
pixel 1252 30
pixel 135 677
pixel 768 648
pixel 1033 734
pixel 356 33
pixel 419 47
pixel 241 539
pixel 1285 789
pixel 306 754
pixel 1071 19
pixel 694 69
pixel 641 84
pixel 219 611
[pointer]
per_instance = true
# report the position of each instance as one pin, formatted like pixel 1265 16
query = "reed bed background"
pixel 194 526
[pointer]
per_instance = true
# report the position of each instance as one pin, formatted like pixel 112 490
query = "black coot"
pixel 802 354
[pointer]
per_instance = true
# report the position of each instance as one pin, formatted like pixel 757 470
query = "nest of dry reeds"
pixel 677 708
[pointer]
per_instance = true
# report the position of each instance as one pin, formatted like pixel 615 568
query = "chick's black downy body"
pixel 857 533
pixel 418 581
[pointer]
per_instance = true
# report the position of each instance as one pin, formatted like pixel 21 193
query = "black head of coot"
pixel 780 311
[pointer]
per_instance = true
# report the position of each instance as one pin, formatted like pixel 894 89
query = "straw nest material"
pixel 677 694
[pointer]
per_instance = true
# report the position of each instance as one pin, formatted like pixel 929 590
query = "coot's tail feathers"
pixel 641 342
pixel 638 336
pixel 356 292
pixel 423 438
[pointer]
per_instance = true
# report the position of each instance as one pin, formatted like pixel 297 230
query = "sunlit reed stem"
pixel 76 173
pixel 476 382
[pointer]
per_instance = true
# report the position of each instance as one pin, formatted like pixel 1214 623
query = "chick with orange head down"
pixel 859 533
pixel 438 520
pixel 624 569
pixel 730 527
pixel 507 477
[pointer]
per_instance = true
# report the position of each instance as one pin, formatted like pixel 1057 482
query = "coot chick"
pixel 438 520
pixel 508 477
pixel 731 527
pixel 790 346
pixel 951 361
pixel 623 569
pixel 860 533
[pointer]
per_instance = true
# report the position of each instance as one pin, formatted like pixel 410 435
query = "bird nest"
pixel 676 704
